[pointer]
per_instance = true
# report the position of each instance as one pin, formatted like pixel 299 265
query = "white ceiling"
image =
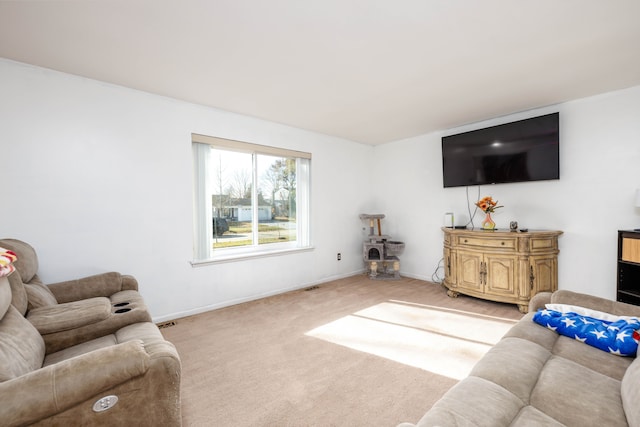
pixel 371 71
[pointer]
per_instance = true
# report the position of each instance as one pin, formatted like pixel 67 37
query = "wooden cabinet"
pixel 499 265
pixel 628 283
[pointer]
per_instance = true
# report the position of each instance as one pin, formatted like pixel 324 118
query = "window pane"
pixel 276 199
pixel 248 199
pixel 231 177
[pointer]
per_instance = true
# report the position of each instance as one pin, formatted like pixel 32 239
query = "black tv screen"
pixel 525 150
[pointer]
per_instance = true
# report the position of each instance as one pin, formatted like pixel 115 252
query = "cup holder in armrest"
pixel 122 310
pixel 121 304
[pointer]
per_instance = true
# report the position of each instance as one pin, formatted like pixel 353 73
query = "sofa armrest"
pixel 539 300
pixel 595 303
pixel 129 283
pixel 99 285
pixel 55 388
pixel 69 315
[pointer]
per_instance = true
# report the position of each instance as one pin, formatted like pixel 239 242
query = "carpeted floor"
pixel 352 352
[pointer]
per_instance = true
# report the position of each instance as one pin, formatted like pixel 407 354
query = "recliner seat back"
pixel 22 349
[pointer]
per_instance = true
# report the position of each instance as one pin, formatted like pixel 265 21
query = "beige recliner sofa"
pixel 536 377
pixel 74 311
pixel 129 376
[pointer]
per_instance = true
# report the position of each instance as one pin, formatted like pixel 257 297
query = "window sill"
pixel 241 256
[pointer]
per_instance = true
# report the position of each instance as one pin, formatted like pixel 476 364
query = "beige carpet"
pixel 352 352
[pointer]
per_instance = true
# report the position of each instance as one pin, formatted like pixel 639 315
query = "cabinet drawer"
pixel 483 242
pixel 542 244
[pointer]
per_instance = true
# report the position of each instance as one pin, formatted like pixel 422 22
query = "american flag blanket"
pixel 618 336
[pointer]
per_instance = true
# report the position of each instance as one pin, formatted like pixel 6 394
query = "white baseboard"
pixel 418 277
pixel 205 308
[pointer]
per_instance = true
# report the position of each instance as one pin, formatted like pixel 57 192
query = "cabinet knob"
pixel 502 243
pixel 465 240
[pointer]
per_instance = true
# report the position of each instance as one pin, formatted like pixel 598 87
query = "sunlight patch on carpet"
pixel 442 341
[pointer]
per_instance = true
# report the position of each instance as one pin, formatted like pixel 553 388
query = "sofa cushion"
pixel 503 365
pixel 39 296
pixel 576 395
pixel 21 346
pixel 530 331
pixel 5 296
pixel 590 357
pixel 474 402
pixel 530 417
pixel 146 331
pixel 80 349
pixel 19 295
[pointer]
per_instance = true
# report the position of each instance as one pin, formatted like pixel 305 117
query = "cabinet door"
pixel 449 267
pixel 501 275
pixel 543 274
pixel 469 275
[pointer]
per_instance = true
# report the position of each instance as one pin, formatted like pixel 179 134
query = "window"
pixel 249 199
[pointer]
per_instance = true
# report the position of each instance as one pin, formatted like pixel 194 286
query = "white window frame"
pixel 203 228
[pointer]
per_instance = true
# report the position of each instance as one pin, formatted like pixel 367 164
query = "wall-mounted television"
pixel 525 150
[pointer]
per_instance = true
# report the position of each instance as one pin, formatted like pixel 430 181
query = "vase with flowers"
pixel 488 206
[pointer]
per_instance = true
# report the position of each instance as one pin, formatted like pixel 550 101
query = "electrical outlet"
pixel 339 256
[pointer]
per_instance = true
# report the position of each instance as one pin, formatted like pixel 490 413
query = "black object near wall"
pixel 524 150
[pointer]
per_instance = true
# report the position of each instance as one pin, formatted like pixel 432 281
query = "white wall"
pixel 99 177
pixel 599 173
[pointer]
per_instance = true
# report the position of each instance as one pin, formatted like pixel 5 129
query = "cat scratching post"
pixel 378 252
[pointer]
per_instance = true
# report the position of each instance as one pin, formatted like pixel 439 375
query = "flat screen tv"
pixel 525 150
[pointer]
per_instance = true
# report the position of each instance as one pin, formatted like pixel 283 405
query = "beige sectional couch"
pixel 536 377
pixel 83 352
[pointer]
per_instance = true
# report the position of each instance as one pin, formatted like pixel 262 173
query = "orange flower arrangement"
pixel 487 205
